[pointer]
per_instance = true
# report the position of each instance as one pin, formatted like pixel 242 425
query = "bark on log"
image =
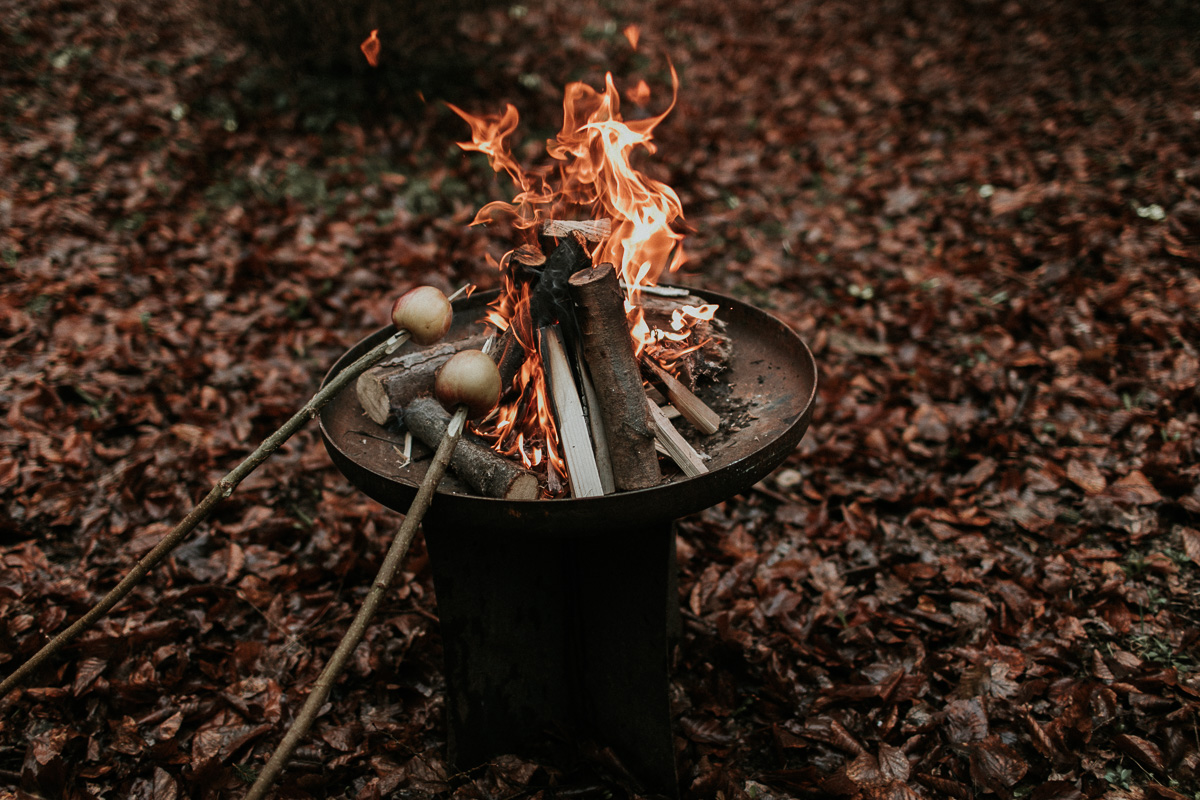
pixel 509 356
pixel 488 472
pixel 388 387
pixel 617 378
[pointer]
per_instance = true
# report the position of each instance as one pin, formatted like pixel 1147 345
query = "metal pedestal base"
pixel 567 633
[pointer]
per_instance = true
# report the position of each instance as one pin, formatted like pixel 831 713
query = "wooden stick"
pixel 488 472
pixel 222 490
pixel 568 412
pixel 358 628
pixel 682 453
pixel 618 380
pixel 693 409
pixel 660 291
pixel 595 422
pixel 389 386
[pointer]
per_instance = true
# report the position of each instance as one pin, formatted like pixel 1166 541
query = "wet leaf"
pixel 979 563
pixel 1145 753
pixel 996 765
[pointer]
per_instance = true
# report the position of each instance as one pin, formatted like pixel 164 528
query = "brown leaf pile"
pixel 976 577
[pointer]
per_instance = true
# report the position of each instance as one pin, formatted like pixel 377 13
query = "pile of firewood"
pixel 615 412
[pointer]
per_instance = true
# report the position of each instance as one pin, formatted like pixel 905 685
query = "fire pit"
pixel 560 614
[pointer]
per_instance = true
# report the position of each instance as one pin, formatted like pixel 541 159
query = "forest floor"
pixel 976 576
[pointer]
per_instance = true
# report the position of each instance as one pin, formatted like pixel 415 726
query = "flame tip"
pixel 370 48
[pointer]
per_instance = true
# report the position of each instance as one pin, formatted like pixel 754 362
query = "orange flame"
pixel 632 33
pixel 370 48
pixel 639 94
pixel 593 178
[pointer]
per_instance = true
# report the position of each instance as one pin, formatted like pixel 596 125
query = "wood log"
pixel 617 378
pixel 550 297
pixel 573 431
pixel 387 388
pixel 594 230
pixel 595 423
pixel 693 409
pixel 675 446
pixel 485 470
pixel 509 355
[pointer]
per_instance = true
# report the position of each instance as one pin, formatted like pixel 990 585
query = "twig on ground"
pixel 222 490
pixel 358 628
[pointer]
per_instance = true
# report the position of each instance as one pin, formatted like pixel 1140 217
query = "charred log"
pixel 550 300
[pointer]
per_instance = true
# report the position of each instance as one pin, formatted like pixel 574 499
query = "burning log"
pixel 594 230
pixel 693 409
pixel 572 427
pixel 387 388
pixel 509 355
pixel 675 446
pixel 609 353
pixel 550 296
pixel 485 470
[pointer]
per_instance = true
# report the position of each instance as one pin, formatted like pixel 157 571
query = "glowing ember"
pixel 370 48
pixel 591 178
pixel 632 32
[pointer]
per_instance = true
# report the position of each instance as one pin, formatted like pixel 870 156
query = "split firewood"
pixel 594 230
pixel 485 470
pixel 550 298
pixel 573 431
pixel 595 422
pixel 675 446
pixel 385 389
pixel 693 409
pixel 618 380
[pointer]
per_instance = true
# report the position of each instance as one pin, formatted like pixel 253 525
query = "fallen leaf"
pixel 1086 476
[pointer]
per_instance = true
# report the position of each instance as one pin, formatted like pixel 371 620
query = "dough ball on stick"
pixel 469 378
pixel 424 312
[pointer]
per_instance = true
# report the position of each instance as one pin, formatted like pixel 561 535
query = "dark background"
pixel 977 575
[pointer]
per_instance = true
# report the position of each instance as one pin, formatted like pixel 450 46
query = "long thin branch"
pixel 222 490
pixel 358 628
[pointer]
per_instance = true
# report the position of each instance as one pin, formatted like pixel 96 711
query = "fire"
pixel 370 48
pixel 632 33
pixel 591 177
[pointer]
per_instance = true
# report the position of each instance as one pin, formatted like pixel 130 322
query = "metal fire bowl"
pixel 765 396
